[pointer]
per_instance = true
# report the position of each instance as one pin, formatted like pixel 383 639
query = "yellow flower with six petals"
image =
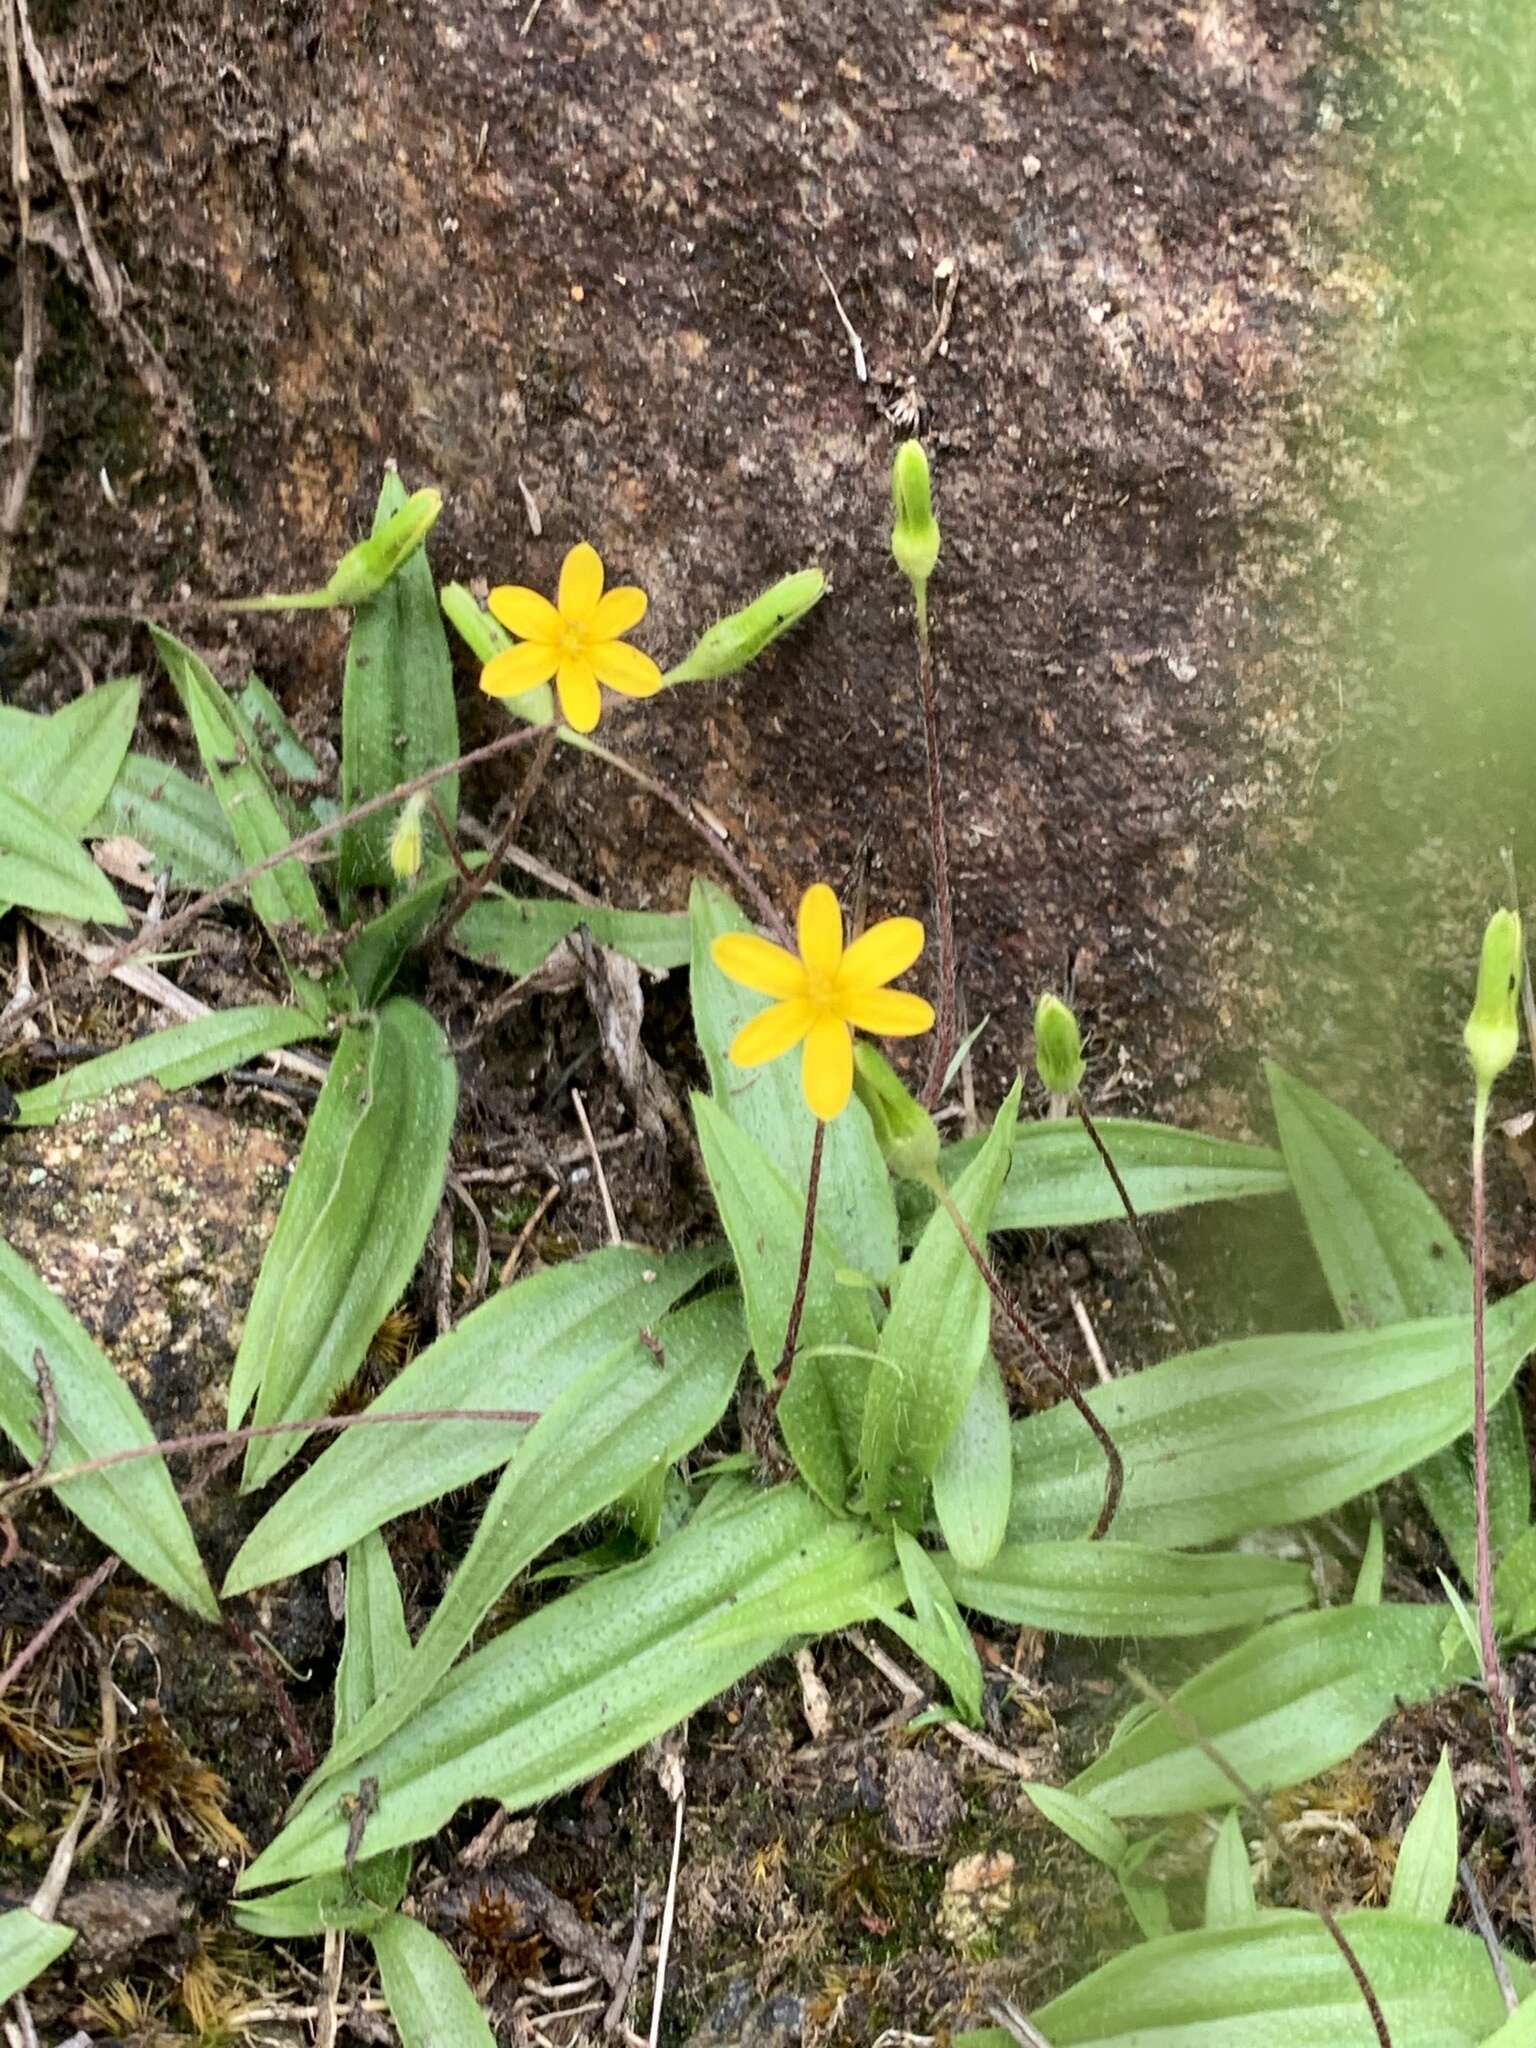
pixel 578 641
pixel 823 994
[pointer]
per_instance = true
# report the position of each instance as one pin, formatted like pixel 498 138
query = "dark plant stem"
pixel 298 1741
pixel 50 1628
pixel 473 889
pixel 1493 1674
pixel 1165 1292
pixel 944 1032
pixel 1114 1464
pixel 1190 1729
pixel 465 874
pixel 218 1439
pixel 302 848
pixel 767 910
pixel 802 1278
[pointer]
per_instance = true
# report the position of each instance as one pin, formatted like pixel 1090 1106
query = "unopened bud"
pixel 364 570
pixel 405 840
pixel 915 533
pixel 1058 1047
pixel 906 1134
pixel 736 640
pixel 1493 1030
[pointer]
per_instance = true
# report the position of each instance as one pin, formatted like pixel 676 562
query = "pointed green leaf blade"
pixel 934 1340
pixel 583 1681
pixel 973 1480
pixel 523 1348
pixel 177 1057
pixel 67 764
pixel 517 934
pixel 352 1225
pixel 1292 1701
pixel 179 820
pixel 1267 1430
pixel 1229 1897
pixel 1128 1589
pixel 624 1415
pixel 429 2000
pixel 1424 1882
pixel 1388 1256
pixel 398 717
pixel 132 1508
pixel 935 1631
pixel 27 1946
pixel 43 867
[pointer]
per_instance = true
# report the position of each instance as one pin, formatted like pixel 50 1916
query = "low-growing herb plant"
pixel 886 1479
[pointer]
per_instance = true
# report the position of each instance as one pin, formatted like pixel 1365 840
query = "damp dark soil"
pixel 596 272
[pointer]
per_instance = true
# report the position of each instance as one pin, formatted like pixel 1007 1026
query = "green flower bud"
pixel 405 840
pixel 1058 1047
pixel 741 638
pixel 906 1134
pixel 364 570
pixel 915 534
pixel 1493 1030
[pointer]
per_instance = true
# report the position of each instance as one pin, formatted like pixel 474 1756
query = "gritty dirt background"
pixel 581 247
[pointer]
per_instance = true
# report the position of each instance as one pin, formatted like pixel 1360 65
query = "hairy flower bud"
pixel 734 641
pixel 364 570
pixel 1492 1035
pixel 405 840
pixel 915 532
pixel 906 1134
pixel 1058 1047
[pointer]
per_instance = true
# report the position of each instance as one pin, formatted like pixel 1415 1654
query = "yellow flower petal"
pixel 889 1013
pixel 581 701
pixel 520 668
pixel 885 950
pixel 620 611
pixel 773 1032
pixel 826 1067
pixel 581 584
pixel 525 613
pixel 624 669
pixel 758 964
pixel 820 931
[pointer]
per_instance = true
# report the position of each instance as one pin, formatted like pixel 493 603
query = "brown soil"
pixel 581 249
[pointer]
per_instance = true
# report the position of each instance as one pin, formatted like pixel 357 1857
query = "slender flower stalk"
pixel 1160 1279
pixel 802 1277
pixel 1492 1037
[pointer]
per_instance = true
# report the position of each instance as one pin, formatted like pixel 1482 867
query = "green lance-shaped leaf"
pixel 352 1225
pixel 1229 1896
pixel 397 710
pixel 625 1415
pixel 764 1219
pixel 1267 1430
pixel 524 1348
pixel 1514 1589
pixel 1371 1577
pixel 27 1946
pixel 1128 1589
pixel 66 765
pixel 973 1480
pixel 177 1057
pixel 1089 1826
pixel 429 2001
pixel 1519 2030
pixel 585 1679
pixel 1424 1881
pixel 1389 1255
pixel 1280 1982
pixel 132 1507
pixel 934 1630
pixel 280 745
pixel 739 639
pixel 179 820
pixel 43 867
pixel 518 934
pixel 1059 1182
pixel 286 894
pixel 855 1207
pixel 934 1341
pixel 1291 1701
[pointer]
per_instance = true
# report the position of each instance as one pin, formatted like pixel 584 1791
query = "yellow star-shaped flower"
pixel 823 994
pixel 577 640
